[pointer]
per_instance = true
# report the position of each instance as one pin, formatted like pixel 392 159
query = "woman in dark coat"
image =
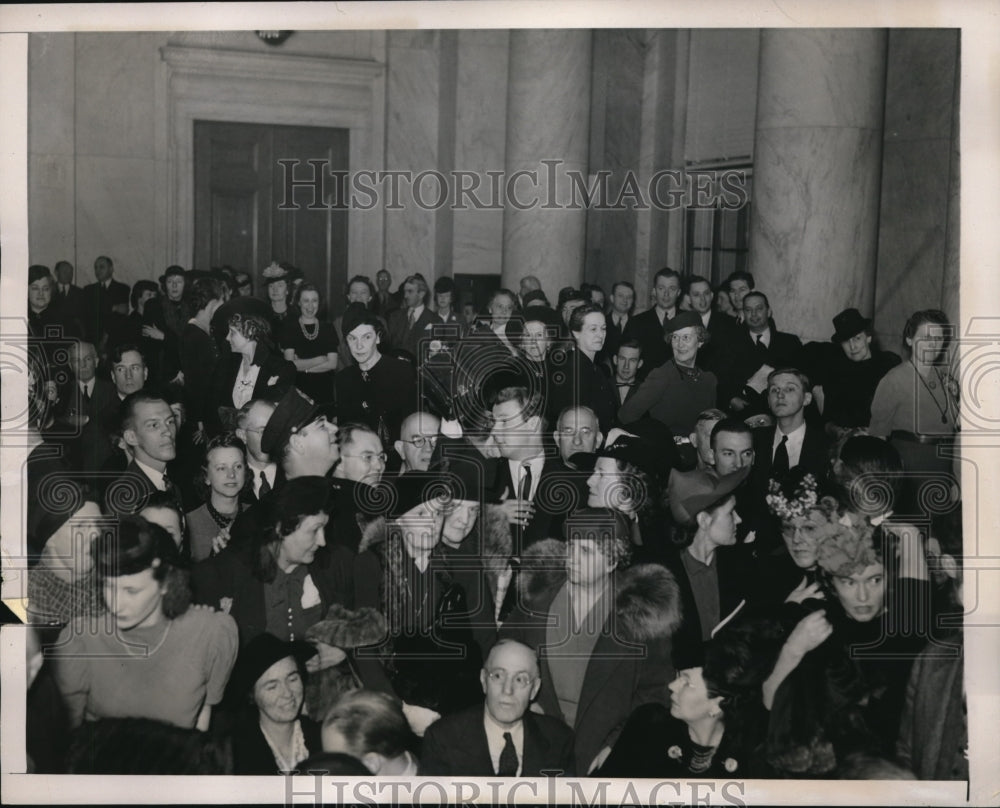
pixel 272 736
pixel 430 657
pixel 715 722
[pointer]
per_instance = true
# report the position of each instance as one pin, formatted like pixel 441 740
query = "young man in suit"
pixel 792 442
pixel 533 511
pixel 627 363
pixel 410 325
pixel 149 429
pixel 757 345
pixel 723 331
pixel 648 326
pixel 504 737
pixel 265 474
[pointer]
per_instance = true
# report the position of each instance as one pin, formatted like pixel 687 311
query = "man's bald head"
pixel 417 438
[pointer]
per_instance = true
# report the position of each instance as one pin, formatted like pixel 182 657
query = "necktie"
pixel 508 757
pixel 524 489
pixel 412 318
pixel 265 486
pixel 760 343
pixel 86 395
pixel 168 486
pixel 779 467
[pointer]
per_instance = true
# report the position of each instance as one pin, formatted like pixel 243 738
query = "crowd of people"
pixel 432 537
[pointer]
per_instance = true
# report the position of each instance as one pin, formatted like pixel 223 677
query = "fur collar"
pixel 647 598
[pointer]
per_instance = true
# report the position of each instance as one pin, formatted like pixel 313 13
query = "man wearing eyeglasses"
pixel 417 439
pixel 505 738
pixel 361 465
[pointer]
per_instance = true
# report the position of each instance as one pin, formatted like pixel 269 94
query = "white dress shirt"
pixel 496 742
pixel 155 477
pixel 794 445
pixel 517 472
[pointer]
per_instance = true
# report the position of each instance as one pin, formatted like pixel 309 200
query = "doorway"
pixel 239 190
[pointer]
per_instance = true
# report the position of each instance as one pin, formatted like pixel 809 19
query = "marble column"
pixel 817 159
pixel 548 119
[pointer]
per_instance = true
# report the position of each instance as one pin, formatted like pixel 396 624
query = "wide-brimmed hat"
pixel 691 492
pixel 849 323
pixel 293 412
pixel 260 654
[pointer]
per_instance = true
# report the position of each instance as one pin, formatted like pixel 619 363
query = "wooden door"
pixel 248 214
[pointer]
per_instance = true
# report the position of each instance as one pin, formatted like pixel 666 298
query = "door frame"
pixel 267 88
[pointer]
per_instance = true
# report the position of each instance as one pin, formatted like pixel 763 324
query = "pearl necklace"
pixel 306 334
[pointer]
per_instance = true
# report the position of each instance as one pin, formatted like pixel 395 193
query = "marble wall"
pixel 817 160
pixel 918 214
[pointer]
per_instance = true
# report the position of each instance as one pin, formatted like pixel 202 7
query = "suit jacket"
pixel 813 459
pixel 732 564
pixel 128 494
pixel 784 351
pixel 72 301
pixel 456 746
pixel 614 337
pixel 96 309
pixel 648 329
pixel 550 502
pixel 716 354
pixel 92 447
pixel 585 383
pixel 402 335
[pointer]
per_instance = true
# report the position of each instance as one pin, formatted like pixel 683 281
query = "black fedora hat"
pixel 848 324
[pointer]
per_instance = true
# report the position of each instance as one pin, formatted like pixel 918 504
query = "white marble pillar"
pixel 548 118
pixel 817 159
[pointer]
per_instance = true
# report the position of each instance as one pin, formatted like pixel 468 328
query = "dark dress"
pixel 848 387
pixel 318 386
pixel 251 753
pixel 380 397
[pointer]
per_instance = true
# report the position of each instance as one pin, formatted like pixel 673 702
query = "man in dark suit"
pixel 99 299
pixel 88 406
pixel 529 478
pixel 723 331
pixel 786 451
pixel 505 738
pixel 67 294
pixel 648 326
pixel 627 363
pixel 757 345
pixel 265 474
pixel 409 325
pixel 149 429
pixel 622 303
